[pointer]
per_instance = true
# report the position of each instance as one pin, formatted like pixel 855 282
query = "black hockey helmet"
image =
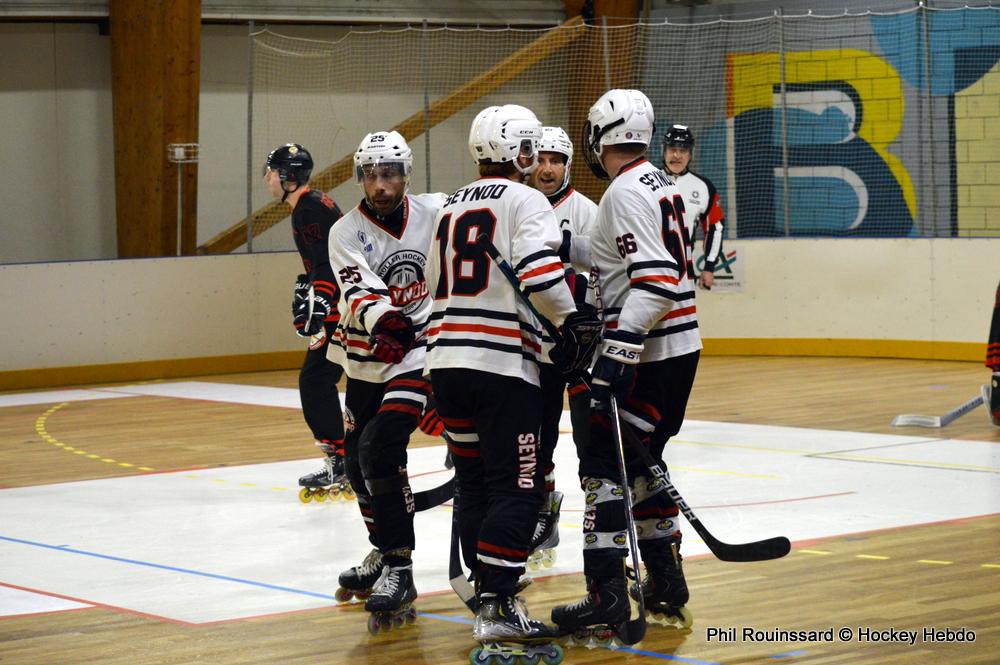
pixel 292 162
pixel 680 136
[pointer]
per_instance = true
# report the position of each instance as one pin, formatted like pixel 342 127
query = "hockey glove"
pixel 564 245
pixel 581 335
pixel 310 314
pixel 300 292
pixel 392 337
pixel 614 371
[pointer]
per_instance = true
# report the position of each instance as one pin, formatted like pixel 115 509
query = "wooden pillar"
pixel 155 61
pixel 622 50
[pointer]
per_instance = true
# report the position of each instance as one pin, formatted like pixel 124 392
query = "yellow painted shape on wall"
pixel 877 83
pixel 977 156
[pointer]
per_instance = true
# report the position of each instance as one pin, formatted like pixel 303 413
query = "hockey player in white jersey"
pixel 701 203
pixel 651 337
pixel 576 214
pixel 378 252
pixel 483 353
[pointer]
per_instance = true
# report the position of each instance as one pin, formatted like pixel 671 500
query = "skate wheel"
pixel 554 656
pixel 343 595
pixel 363 595
pixel 320 495
pixel 686 618
pixel 305 496
pixel 374 625
pixel 349 494
pixel 505 659
pixel 533 659
pixel 476 657
pixel 333 493
pixel 411 616
pixel 548 558
pixel 398 621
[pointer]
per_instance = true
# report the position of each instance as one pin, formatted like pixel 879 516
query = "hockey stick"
pixel 511 276
pixel 907 419
pixel 761 550
pixel 456 574
pixel 434 497
pixel 634 630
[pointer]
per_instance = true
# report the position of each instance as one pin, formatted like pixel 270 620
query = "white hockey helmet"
pixel 383 148
pixel 619 116
pixel 503 133
pixel 555 139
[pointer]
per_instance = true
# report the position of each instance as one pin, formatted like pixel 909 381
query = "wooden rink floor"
pixel 915 547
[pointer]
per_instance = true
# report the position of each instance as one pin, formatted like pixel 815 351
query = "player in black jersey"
pixel 314 308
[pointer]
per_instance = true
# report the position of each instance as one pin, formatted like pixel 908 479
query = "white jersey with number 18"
pixel 478 321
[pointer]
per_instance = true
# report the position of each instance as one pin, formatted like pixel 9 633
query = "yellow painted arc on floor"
pixel 40 423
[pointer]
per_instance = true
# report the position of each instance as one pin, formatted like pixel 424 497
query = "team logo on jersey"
pixel 403 273
pixel 619 540
pixel 665 525
pixel 366 244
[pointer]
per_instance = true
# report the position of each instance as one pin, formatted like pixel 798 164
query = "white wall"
pixel 99 312
pixel 57 195
pixel 880 289
pixel 102 312
pixel 55 106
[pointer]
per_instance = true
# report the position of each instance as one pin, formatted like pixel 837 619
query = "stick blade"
pixel 632 632
pixel 762 550
pixel 910 420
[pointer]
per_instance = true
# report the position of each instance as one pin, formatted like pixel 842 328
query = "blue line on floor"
pixel 264 585
pixel 666 656
pixel 789 654
pixel 275 587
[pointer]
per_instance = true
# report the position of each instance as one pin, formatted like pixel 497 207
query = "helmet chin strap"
pixel 287 191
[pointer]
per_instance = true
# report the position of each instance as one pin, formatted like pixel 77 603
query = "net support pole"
pixel 929 118
pixel 607 55
pixel 250 177
pixel 427 108
pixel 779 17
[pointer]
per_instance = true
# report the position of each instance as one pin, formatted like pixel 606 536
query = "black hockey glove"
pixel 300 292
pixel 581 335
pixel 310 314
pixel 564 245
pixel 392 337
pixel 614 371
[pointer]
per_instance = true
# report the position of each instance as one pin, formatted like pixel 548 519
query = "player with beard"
pixel 378 252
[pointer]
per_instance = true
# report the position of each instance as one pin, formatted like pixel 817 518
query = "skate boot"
pixel 546 537
pixel 330 481
pixel 391 604
pixel 358 581
pixel 505 633
pixel 665 592
pixel 598 618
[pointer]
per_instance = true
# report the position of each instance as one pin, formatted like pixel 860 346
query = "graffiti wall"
pixel 864 125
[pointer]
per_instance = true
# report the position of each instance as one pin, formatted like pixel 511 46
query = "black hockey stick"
pixel 772 548
pixel 761 550
pixel 456 574
pixel 508 272
pixel 634 630
pixel 435 496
